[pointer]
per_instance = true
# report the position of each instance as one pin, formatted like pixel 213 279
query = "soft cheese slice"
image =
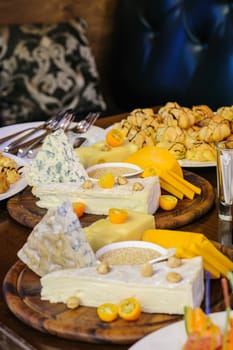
pixel 57 242
pixel 56 162
pixel 103 232
pixel 98 200
pixel 155 293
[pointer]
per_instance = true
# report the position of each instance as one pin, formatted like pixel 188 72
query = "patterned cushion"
pixel 46 68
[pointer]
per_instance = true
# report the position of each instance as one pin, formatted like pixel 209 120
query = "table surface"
pixel 16 335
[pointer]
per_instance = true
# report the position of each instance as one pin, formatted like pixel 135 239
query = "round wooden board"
pixel 21 288
pixel 24 210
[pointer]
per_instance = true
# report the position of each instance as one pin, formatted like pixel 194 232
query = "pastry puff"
pixel 201 152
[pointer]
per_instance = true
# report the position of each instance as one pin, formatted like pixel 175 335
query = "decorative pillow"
pixel 44 69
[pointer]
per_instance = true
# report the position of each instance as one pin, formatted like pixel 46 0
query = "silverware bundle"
pixel 24 145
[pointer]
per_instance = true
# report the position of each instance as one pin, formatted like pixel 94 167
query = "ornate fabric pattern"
pixel 44 69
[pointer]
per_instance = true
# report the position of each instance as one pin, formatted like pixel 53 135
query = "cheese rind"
pixel 103 232
pixel 57 242
pixel 56 162
pixel 155 294
pixel 99 200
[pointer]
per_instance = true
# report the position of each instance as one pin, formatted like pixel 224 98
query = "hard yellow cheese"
pixel 101 153
pixel 103 232
pixel 189 244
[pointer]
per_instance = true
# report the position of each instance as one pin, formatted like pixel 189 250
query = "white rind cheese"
pixel 56 162
pixel 57 242
pixel 99 200
pixel 155 293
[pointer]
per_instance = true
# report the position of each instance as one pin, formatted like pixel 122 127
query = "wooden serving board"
pixel 21 288
pixel 24 210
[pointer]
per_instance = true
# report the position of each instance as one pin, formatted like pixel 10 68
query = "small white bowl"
pixel 130 244
pixel 136 170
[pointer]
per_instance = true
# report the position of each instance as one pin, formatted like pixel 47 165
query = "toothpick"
pixel 207 293
pixel 228 310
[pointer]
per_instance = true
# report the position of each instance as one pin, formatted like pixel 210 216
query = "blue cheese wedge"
pixel 56 162
pixel 156 294
pixel 57 242
pixel 99 200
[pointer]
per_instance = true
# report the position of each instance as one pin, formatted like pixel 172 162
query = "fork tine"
pixel 91 120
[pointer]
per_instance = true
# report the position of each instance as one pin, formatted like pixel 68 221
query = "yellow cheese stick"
pixel 171 189
pixel 193 251
pixel 166 176
pixel 215 257
pixel 192 187
pixel 215 273
pixel 172 238
pixel 189 244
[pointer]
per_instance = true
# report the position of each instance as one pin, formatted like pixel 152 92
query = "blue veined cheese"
pixel 56 162
pixel 57 242
pixel 99 200
pixel 156 294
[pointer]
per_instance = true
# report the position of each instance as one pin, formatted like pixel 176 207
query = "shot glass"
pixel 225 179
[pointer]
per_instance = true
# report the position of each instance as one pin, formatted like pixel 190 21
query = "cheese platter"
pixel 21 288
pixel 23 207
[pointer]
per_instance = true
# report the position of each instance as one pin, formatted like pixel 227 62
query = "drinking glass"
pixel 225 179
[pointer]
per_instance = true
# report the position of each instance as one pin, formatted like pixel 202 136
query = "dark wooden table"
pixel 16 335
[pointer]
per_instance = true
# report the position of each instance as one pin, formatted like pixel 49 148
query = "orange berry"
pixel 114 138
pixel 129 309
pixel 117 216
pixel 107 312
pixel 78 208
pixel 167 202
pixel 106 181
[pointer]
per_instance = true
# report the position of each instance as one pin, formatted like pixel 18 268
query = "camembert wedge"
pixel 99 200
pixel 155 294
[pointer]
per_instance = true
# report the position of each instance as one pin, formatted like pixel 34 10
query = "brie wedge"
pixel 99 200
pixel 155 293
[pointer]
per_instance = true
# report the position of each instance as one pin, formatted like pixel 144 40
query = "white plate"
pixel 192 164
pixel 173 336
pixel 93 135
pixel 18 185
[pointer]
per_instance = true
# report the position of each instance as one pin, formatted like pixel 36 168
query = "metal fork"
pixel 23 148
pixel 84 125
pixel 28 149
pixel 26 133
